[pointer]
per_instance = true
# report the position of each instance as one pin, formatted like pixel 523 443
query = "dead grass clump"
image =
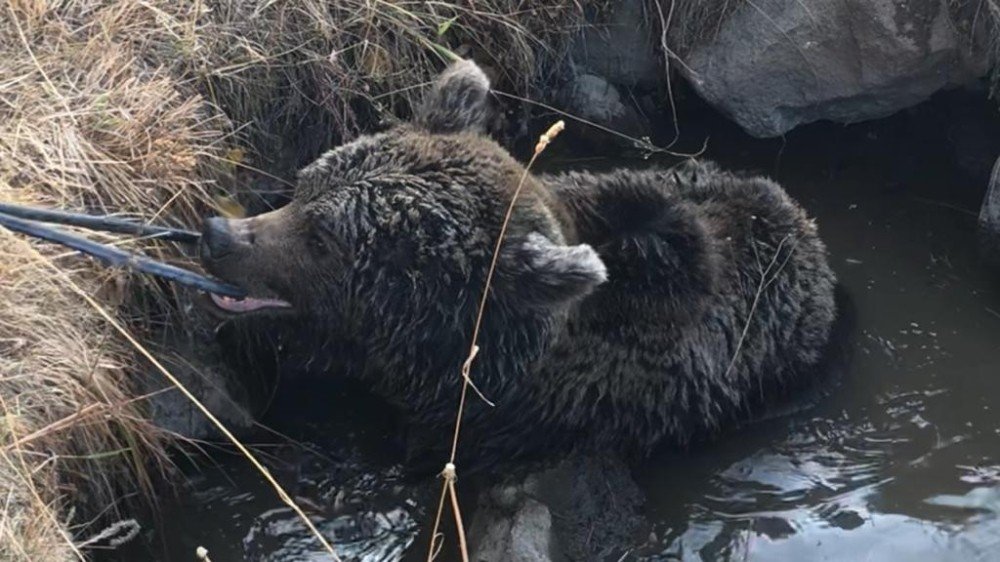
pixel 88 119
pixel 306 75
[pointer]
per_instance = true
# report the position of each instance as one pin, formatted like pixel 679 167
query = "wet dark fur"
pixel 617 317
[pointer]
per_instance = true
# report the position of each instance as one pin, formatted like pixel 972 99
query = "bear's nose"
pixel 216 238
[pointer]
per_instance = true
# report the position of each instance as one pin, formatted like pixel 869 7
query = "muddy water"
pixel 334 448
pixel 897 457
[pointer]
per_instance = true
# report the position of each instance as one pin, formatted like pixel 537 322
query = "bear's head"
pixel 387 241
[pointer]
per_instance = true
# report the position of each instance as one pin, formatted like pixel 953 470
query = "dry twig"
pixel 449 474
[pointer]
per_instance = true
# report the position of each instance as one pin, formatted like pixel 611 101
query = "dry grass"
pixel 319 72
pixel 143 108
pixel 87 119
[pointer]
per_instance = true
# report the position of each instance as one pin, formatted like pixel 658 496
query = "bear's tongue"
pixel 248 304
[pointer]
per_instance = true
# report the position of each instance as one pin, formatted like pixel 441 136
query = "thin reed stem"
pixel 449 473
pixel 434 549
pixel 459 526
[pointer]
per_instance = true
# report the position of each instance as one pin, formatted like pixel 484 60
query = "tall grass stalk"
pixel 450 473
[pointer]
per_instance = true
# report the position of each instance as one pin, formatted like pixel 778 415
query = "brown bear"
pixel 629 309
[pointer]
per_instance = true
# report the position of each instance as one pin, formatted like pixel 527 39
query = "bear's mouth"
pixel 247 305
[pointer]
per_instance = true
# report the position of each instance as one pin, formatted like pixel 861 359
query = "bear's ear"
pixel 534 271
pixel 457 100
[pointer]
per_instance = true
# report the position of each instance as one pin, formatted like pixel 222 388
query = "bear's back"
pixel 718 294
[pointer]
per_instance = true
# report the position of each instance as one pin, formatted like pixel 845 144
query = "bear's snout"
pixel 216 239
pixel 221 237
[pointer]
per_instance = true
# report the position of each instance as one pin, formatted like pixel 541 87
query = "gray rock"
pixel 620 45
pixel 215 386
pixel 776 64
pixel 989 219
pixel 190 354
pixel 581 508
pixel 594 99
pixel 510 525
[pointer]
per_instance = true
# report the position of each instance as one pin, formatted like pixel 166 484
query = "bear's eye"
pixel 318 244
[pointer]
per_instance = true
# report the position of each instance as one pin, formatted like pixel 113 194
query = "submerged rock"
pixel 581 508
pixel 511 525
pixel 774 65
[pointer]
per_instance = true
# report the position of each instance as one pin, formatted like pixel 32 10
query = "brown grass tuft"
pixel 305 75
pixel 88 119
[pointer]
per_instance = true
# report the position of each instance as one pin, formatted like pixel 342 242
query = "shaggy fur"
pixel 630 308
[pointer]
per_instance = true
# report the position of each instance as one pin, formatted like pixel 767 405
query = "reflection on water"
pixel 278 535
pixel 339 470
